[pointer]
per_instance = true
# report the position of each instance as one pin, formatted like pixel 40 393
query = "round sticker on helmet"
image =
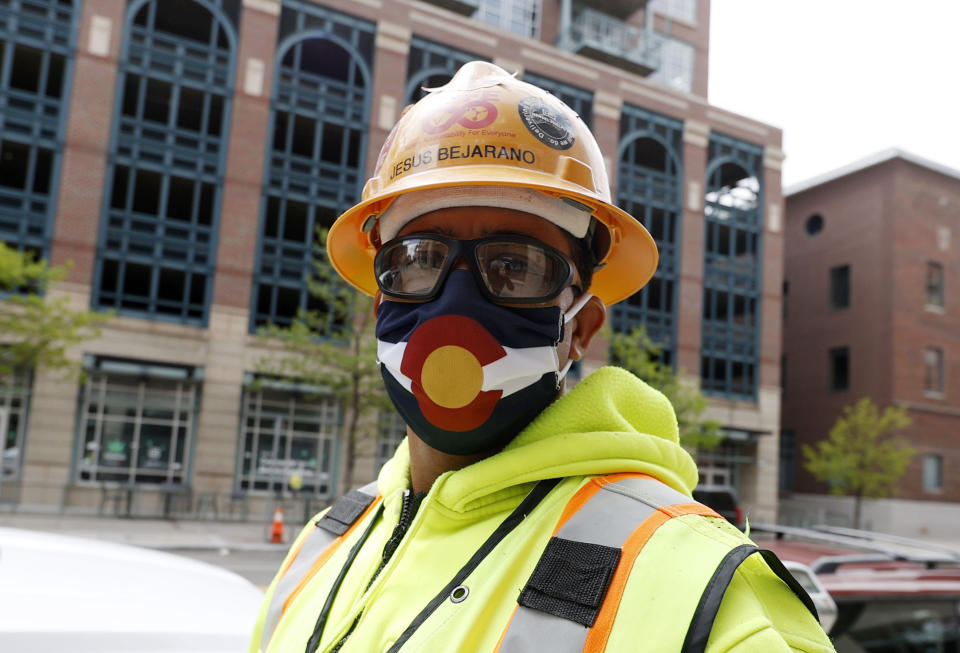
pixel 546 122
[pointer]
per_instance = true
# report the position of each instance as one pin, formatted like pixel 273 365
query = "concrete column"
pixel 248 138
pixel 606 127
pixel 696 137
pixel 389 79
pixel 83 171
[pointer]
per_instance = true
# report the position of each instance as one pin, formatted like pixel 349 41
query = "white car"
pixel 60 593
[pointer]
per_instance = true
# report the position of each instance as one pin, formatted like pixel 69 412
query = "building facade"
pixel 182 153
pixel 870 268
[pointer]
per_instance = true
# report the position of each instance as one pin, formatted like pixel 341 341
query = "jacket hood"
pixel 610 422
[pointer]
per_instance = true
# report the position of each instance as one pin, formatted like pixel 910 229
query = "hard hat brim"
pixel 630 265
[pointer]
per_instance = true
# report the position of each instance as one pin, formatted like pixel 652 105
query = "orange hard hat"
pixel 485 128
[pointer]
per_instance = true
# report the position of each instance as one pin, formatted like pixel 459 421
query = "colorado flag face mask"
pixel 466 374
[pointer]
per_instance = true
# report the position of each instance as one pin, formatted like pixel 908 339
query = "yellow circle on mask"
pixel 451 376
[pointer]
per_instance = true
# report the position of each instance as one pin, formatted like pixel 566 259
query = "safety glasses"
pixel 509 269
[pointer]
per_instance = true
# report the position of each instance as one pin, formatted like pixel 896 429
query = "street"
pixel 258 567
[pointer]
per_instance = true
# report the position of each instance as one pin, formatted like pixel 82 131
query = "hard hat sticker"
pixel 547 123
pixel 472 113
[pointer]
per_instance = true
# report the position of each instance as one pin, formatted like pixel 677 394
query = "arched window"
pixel 731 276
pixel 648 187
pixel 320 113
pixel 431 65
pixel 168 154
pixel 37 44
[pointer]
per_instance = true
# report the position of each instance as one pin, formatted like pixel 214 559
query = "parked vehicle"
pixel 892 594
pixel 60 593
pixel 721 498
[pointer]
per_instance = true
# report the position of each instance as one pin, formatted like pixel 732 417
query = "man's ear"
pixel 586 325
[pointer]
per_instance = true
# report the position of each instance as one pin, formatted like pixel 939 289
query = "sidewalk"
pixel 163 534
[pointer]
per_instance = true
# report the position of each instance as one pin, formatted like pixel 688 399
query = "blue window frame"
pixel 37 44
pixel 649 183
pixel 578 99
pixel 729 360
pixel 320 112
pixel 161 215
pixel 430 65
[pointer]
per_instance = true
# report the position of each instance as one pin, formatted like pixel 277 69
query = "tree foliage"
pixel 636 352
pixel 334 349
pixel 862 456
pixel 35 330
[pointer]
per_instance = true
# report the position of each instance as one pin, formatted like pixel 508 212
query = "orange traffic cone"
pixel 276 532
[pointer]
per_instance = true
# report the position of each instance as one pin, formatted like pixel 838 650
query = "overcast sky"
pixel 842 78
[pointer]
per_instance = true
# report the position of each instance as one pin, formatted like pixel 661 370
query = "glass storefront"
pixel 137 422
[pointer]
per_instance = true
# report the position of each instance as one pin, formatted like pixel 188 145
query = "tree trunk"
pixel 857 505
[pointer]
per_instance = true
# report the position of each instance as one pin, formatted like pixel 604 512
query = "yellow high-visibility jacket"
pixel 613 438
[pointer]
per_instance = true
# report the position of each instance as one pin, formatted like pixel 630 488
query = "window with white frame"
pixel 934 285
pixel 14 401
pixel 933 473
pixel 933 377
pixel 517 16
pixel 685 10
pixel 391 430
pixel 676 64
pixel 288 431
pixel 137 422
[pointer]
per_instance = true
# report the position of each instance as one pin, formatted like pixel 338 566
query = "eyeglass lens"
pixel 510 270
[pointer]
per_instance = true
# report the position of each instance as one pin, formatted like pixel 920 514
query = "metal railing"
pixel 600 36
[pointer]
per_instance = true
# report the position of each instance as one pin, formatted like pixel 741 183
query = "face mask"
pixel 465 374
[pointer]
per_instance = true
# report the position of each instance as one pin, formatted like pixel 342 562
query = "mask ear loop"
pixel 567 316
pixel 576 306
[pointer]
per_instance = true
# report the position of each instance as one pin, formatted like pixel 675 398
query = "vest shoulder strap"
pixel 313 549
pixel 571 598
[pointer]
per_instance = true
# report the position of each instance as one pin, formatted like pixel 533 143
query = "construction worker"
pixel 514 517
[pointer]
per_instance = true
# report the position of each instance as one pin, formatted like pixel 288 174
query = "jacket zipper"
pixel 408 510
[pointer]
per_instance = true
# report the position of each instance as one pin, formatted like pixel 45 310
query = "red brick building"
pixel 871 310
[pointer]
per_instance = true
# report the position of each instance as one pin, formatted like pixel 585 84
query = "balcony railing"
pixel 465 7
pixel 604 38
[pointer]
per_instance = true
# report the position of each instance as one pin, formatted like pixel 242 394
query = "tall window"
pixel 935 296
pixel 840 287
pixel 320 114
pixel 578 99
pixel 933 473
pixel 933 371
pixel 431 65
pixel 839 365
pixel 287 432
pixel 788 460
pixel 37 42
pixel 137 422
pixel 391 430
pixel 732 288
pixel 162 209
pixel 649 182
pixel 517 16
pixel 677 60
pixel 14 404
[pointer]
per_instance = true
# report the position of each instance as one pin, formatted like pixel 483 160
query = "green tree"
pixel 334 348
pixel 36 330
pixel 636 352
pixel 862 455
